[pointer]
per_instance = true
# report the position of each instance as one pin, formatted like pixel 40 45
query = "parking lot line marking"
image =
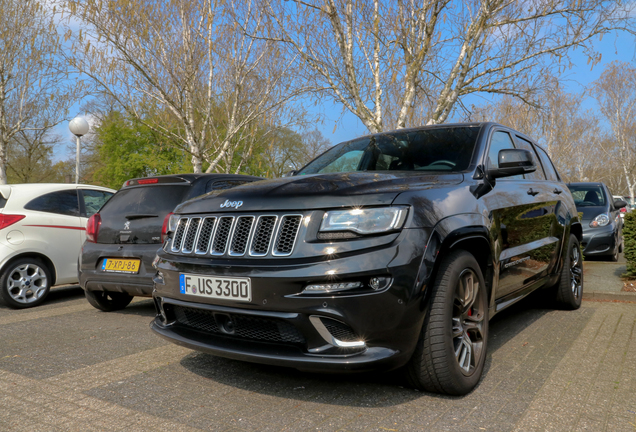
pixel 120 368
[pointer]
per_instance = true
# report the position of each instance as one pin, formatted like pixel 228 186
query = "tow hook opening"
pixel 225 323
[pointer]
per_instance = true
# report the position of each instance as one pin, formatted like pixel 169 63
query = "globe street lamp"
pixel 78 127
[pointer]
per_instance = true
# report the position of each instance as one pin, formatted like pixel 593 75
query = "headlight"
pixel 600 220
pixel 172 222
pixel 364 221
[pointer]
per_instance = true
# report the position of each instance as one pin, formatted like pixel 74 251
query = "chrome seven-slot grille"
pixel 236 236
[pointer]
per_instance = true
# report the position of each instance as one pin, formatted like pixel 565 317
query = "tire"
pixel 614 256
pixel 620 247
pixel 25 283
pixel 108 301
pixel 451 350
pixel 569 289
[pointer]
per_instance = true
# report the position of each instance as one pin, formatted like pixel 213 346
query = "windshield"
pixel 436 149
pixel 587 196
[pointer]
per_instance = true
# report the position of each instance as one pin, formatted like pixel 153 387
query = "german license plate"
pixel 121 265
pixel 216 287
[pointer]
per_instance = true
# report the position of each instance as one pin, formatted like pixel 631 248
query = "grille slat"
pixel 241 235
pixel 287 235
pixel 203 242
pixel 263 235
pixel 235 236
pixel 190 235
pixel 178 234
pixel 219 244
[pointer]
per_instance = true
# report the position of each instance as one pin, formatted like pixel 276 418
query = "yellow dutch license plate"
pixel 121 265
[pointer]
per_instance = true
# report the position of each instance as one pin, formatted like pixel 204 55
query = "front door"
pixel 524 217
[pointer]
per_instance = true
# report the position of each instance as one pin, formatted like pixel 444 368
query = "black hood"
pixel 316 191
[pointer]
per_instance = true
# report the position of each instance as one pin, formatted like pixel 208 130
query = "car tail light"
pixel 92 227
pixel 9 219
pixel 623 210
pixel 148 181
pixel 164 227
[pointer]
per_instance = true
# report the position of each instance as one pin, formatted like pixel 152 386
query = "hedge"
pixel 629 245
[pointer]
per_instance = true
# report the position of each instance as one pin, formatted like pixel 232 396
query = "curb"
pixel 625 297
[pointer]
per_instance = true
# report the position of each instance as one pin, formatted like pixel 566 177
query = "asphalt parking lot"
pixel 65 366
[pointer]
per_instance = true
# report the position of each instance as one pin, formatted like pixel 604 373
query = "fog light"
pixel 379 282
pixel 330 287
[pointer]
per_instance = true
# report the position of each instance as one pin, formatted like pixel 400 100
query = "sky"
pixel 340 125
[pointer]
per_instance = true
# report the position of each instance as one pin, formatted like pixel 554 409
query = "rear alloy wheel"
pixel 25 283
pixel 569 289
pixel 108 301
pixel 451 351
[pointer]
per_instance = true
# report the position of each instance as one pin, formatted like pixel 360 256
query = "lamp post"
pixel 78 127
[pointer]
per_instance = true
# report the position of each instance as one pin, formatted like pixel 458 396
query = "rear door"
pixel 54 220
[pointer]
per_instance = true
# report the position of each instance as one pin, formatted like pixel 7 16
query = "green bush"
pixel 629 245
pixel 581 244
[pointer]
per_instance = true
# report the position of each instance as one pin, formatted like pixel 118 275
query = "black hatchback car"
pixel 388 251
pixel 122 239
pixel 602 224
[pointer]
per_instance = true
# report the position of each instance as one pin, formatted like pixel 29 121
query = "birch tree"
pixel 569 133
pixel 407 62
pixel 34 91
pixel 615 92
pixel 186 58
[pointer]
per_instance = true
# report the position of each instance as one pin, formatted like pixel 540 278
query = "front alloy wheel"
pixel 450 354
pixel 25 283
pixel 468 321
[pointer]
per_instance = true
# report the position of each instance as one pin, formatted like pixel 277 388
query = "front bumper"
pixel 600 241
pixel 92 278
pixel 345 331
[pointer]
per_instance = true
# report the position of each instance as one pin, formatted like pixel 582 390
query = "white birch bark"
pixel 193 60
pixel 407 63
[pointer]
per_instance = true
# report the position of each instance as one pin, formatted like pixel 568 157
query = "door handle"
pixel 532 192
pixel 557 191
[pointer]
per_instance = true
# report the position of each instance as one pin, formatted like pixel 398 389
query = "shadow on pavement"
pixel 360 389
pixel 143 307
pixel 64 293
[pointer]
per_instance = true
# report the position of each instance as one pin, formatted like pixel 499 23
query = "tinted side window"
pixel 499 141
pixel 527 145
pixel 94 200
pixel 550 171
pixel 61 202
pixel 223 184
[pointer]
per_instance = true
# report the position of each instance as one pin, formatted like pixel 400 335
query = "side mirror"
pixel 513 162
pixel 619 204
pixel 290 173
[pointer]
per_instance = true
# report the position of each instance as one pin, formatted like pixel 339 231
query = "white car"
pixel 42 228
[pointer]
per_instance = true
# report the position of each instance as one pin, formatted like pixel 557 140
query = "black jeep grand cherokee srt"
pixel 391 250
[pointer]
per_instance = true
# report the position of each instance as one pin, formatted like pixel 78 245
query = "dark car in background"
pixel 602 224
pixel 391 250
pixel 122 239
